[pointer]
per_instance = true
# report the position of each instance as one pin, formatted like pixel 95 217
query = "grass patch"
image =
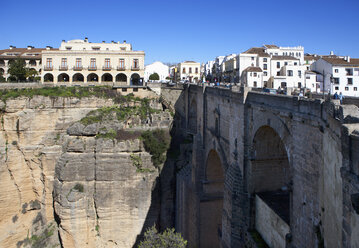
pixel 258 239
pixel 79 187
pixel 119 113
pixel 156 143
pixel 111 134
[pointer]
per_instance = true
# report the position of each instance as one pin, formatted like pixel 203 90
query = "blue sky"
pixel 173 31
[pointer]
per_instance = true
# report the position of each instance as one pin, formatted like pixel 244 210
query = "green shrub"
pixel 79 187
pixel 156 143
pixel 168 239
pixel 154 76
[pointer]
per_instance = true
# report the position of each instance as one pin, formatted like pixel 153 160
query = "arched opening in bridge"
pixel 107 77
pixel 92 77
pixel 48 77
pixel 63 77
pixel 269 184
pixel 211 205
pixel 78 77
pixel 121 77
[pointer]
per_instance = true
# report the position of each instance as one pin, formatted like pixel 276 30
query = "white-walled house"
pixel 188 70
pixel 311 81
pixel 252 76
pixel 341 74
pixel 157 67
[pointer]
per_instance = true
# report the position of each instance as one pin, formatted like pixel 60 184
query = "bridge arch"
pixel 211 206
pixel 269 183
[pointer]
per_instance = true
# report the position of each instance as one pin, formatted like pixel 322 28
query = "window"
pixel 264 59
pixel 78 63
pixel 264 66
pixel 299 85
pixel 196 70
pixel 64 62
pixel 190 70
pixel 265 73
pixel 336 70
pixel 96 48
pixel 346 88
pixel 122 63
pixel 255 84
pixel 355 89
pixel 278 73
pixel 107 63
pixel 68 48
pixel 184 70
pixel 252 58
pixel 290 73
pixel 278 64
pixel 295 63
pixel 299 73
pixel 49 62
pixel 285 63
pixel 255 74
pixel 350 80
pixel 283 84
pixel 349 72
pixel 336 87
pixel 336 80
pixel 135 63
pixel 93 63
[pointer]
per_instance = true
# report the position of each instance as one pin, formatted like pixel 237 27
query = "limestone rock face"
pixel 101 199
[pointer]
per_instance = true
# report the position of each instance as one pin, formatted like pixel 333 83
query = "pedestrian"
pixel 341 97
pixel 336 95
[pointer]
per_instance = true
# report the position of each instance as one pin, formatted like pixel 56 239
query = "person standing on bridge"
pixel 341 97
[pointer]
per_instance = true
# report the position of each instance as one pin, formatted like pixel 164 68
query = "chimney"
pixel 331 53
pixel 124 41
pixel 29 47
pixel 86 39
pixel 112 42
pixel 11 47
pixel 63 40
pixel 348 59
pixel 103 41
pixel 48 47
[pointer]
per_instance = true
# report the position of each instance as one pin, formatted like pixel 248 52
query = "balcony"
pixel 48 68
pixel 63 68
pixel 77 68
pixel 121 68
pixel 106 68
pixel 92 68
pixel 135 68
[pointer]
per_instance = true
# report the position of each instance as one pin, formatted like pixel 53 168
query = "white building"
pixel 157 67
pixel 188 70
pixel 80 61
pixel 341 74
pixel 217 68
pixel 252 77
pixel 208 69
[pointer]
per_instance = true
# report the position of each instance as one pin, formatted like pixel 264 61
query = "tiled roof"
pixel 271 46
pixel 341 61
pixel 22 52
pixel 253 69
pixel 257 50
pixel 311 57
pixel 275 57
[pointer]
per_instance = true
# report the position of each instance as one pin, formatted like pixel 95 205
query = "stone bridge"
pixel 268 169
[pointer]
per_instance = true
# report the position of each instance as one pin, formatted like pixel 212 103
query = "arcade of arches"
pixel 93 77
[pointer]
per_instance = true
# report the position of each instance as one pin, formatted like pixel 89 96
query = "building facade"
pixel 188 70
pixel 31 56
pixel 341 74
pixel 157 67
pixel 80 61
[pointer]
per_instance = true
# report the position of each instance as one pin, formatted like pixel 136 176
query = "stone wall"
pixel 319 140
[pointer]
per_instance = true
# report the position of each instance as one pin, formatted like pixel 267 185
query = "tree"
pixel 2 79
pixel 31 74
pixel 154 76
pixel 168 239
pixel 18 70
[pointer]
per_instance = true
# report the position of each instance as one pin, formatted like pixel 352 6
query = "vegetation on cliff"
pixel 79 92
pixel 168 239
pixel 156 143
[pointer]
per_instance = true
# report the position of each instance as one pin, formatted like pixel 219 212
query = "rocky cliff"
pixel 75 171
